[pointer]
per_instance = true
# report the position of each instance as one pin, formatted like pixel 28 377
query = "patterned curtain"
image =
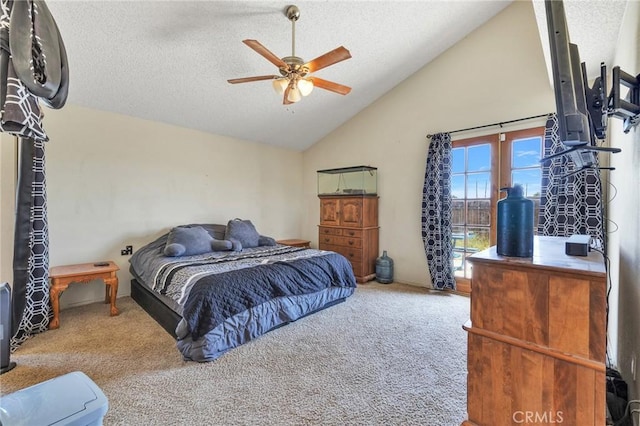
pixel 31 310
pixel 436 212
pixel 33 69
pixel 569 204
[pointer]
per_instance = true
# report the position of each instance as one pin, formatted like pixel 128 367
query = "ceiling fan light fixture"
pixel 280 84
pixel 294 94
pixel 293 82
pixel 305 86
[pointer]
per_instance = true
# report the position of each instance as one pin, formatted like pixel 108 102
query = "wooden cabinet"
pixel 349 226
pixel 537 338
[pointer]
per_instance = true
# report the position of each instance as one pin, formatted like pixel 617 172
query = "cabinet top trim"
pixel 548 253
pixel 349 196
pixel 348 227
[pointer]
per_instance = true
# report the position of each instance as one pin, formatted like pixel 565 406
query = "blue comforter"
pixel 214 298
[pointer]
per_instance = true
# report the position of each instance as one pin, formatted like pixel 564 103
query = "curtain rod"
pixel 495 124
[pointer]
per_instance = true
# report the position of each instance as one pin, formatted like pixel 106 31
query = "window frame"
pixel 506 148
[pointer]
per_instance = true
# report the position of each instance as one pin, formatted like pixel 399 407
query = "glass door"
pixel 481 166
pixel 474 192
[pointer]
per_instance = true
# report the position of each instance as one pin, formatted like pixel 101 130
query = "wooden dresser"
pixel 349 226
pixel 537 338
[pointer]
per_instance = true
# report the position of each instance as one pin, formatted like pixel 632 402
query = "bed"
pixel 215 301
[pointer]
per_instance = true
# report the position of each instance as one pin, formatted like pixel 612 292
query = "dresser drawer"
pixel 331 247
pixel 355 233
pixel 329 239
pixel 325 246
pixel 357 268
pixel 340 241
pixel 352 254
pixel 330 231
pixel 348 242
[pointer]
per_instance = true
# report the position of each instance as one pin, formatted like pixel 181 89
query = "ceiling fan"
pixel 294 80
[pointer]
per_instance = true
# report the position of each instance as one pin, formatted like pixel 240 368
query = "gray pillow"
pixel 266 241
pixel 221 245
pixel 244 232
pixel 235 244
pixel 215 230
pixel 187 241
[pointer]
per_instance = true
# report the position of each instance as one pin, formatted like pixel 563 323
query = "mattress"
pixel 225 299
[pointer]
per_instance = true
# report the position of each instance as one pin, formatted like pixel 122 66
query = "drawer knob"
pixel 326 240
pixel 350 242
pixel 326 231
pixel 352 233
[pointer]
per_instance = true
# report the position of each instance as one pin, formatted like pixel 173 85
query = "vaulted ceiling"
pixel 169 61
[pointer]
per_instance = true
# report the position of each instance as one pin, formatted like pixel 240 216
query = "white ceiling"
pixel 593 26
pixel 169 61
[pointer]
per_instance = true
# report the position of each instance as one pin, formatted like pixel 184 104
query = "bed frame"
pixel 169 319
pixel 150 302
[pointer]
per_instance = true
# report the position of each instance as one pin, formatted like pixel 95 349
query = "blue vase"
pixel 515 224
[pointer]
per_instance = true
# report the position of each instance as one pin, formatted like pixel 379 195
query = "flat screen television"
pixel 578 125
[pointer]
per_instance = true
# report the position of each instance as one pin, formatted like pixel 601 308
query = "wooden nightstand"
pixel 62 276
pixel 295 243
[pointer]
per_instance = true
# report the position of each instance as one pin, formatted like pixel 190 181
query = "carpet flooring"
pixel 390 355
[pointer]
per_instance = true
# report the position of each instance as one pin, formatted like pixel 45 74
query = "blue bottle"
pixel 384 269
pixel 515 224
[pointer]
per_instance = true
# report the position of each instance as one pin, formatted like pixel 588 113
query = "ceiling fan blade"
pixel 248 79
pixel 330 85
pixel 329 58
pixel 266 53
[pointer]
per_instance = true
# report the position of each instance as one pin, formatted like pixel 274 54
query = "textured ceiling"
pixel 169 61
pixel 593 26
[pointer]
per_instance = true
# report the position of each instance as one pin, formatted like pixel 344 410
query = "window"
pixel 481 166
pixel 521 155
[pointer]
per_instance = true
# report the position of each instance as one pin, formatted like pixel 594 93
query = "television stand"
pixel 537 338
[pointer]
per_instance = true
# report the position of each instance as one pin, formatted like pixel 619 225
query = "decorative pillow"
pixel 266 241
pixel 235 244
pixel 243 231
pixel 215 230
pixel 221 245
pixel 187 241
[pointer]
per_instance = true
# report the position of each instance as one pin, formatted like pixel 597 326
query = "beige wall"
pixel 624 211
pixel 114 180
pixel 497 73
pixel 8 160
